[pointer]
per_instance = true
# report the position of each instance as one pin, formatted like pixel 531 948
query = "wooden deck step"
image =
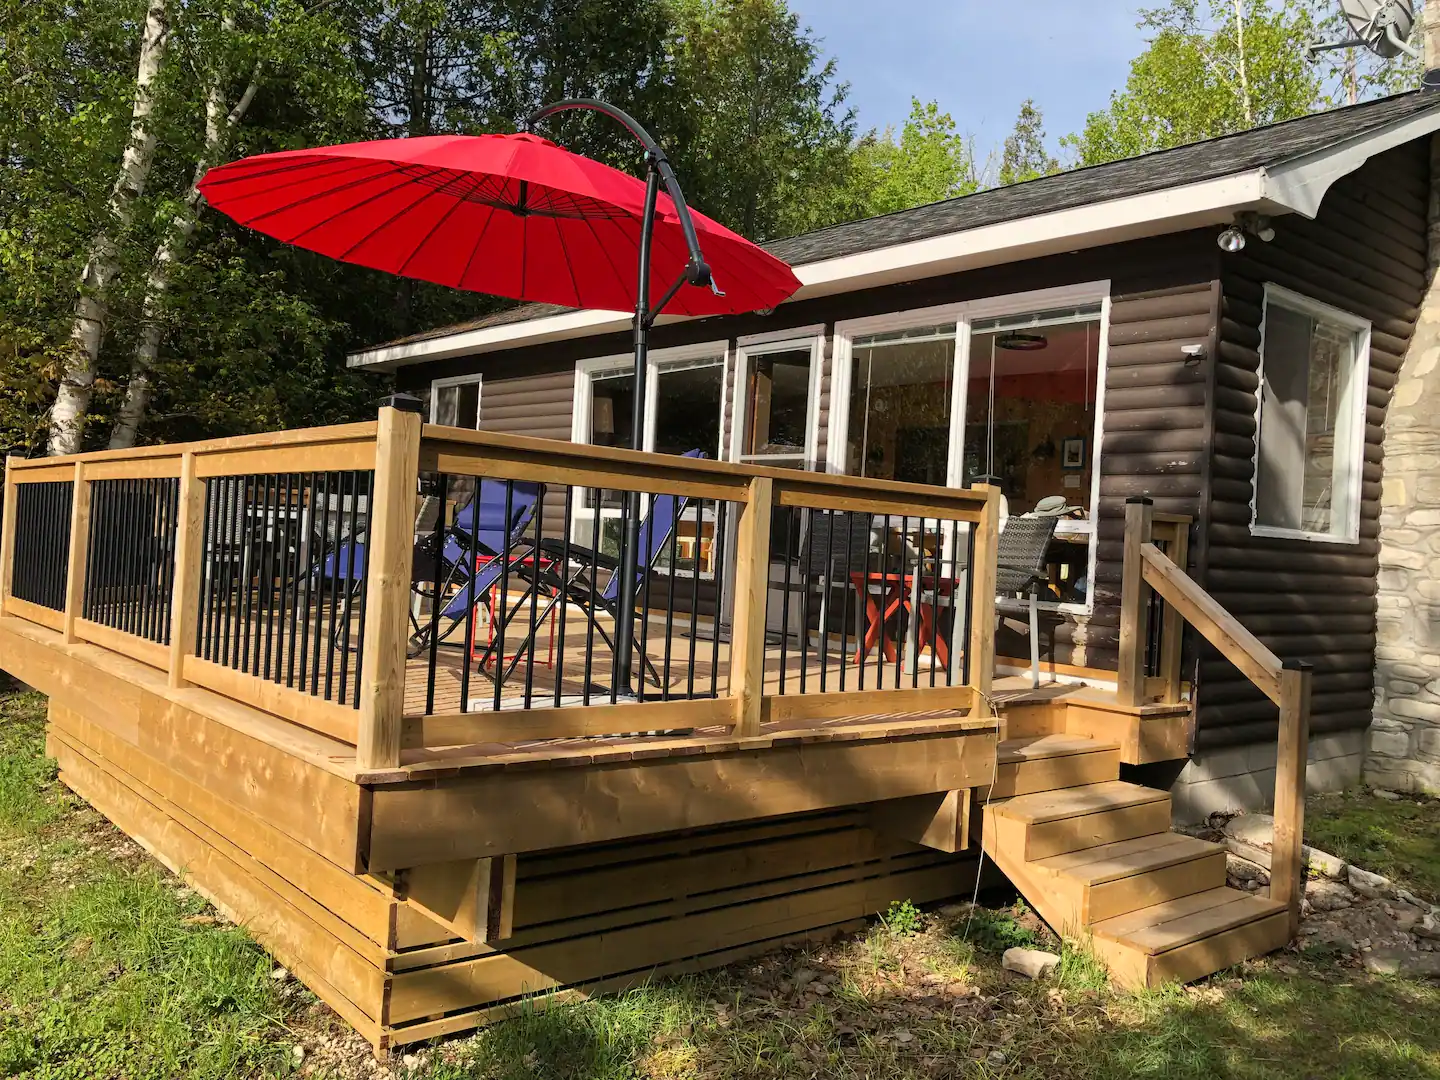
pixel 1038 763
pixel 1167 926
pixel 1046 806
pixel 1111 862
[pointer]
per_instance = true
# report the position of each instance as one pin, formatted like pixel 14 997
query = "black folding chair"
pixel 1021 572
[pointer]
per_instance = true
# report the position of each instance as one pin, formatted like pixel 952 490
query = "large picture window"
pixel 1007 390
pixel 1311 440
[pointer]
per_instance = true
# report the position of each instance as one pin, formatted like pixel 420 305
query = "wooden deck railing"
pixel 279 571
pixel 1148 570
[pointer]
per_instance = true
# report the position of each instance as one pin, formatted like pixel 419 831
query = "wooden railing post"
pixel 981 646
pixel 387 586
pixel 752 582
pixel 1134 605
pixel 1172 623
pixel 7 533
pixel 79 545
pixel 189 562
pixel 1287 871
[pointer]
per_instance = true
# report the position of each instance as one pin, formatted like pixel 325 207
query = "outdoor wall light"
pixel 1231 240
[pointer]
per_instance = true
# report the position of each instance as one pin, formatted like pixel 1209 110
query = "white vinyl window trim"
pixel 1350 421
pixel 963 315
pixel 439 385
pixel 811 337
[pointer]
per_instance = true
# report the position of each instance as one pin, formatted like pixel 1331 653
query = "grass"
pixel 1398 839
pixel 111 968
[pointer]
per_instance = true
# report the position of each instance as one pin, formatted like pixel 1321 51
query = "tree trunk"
pixel 1405 724
pixel 171 249
pixel 72 399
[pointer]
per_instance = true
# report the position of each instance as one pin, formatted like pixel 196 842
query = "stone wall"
pixel 1404 738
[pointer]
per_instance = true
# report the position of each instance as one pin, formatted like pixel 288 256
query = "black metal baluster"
pixel 87 606
pixel 295 515
pixel 502 607
pixel 225 600
pixel 364 586
pixel 786 555
pixel 969 602
pixel 807 533
pixel 645 562
pixel 935 597
pixel 437 539
pixel 471 555
pixel 145 529
pixel 534 600
pixel 353 486
pixel 336 548
pixel 832 519
pixel 249 569
pixel 670 598
pixel 722 513
pixel 314 567
pixel 169 587
pixel 272 544
pixel 903 629
pixel 847 585
pixel 695 600
pixel 594 588
pixel 563 577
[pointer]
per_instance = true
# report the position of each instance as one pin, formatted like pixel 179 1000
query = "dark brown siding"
pixel 539 404
pixel 1365 253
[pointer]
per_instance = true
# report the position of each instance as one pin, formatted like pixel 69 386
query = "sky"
pixel 979 60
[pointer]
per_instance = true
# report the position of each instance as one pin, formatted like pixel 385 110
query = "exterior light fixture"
pixel 1231 240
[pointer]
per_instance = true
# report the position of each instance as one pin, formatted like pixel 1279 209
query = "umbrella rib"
pixel 233 174
pixel 460 282
pixel 569 269
pixel 327 193
pixel 352 208
pixel 590 224
pixel 459 202
pixel 398 214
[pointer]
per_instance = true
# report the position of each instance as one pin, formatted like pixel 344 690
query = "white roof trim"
pixel 1296 186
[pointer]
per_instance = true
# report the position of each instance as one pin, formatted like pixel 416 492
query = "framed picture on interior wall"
pixel 1072 453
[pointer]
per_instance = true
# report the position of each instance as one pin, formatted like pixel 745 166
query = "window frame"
pixel 436 385
pixel 964 314
pixel 656 361
pixel 1358 390
pixel 758 345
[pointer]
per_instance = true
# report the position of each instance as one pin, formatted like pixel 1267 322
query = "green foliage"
pixel 1206 74
pixel 928 161
pixel 996 931
pixel 1398 839
pixel 903 918
pixel 1025 156
pixel 26 774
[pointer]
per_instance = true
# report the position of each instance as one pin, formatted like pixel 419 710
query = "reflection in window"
pixel 1309 449
pixel 687 407
pixel 457 404
pixel 777 408
pixel 612 409
pixel 900 405
pixel 1030 407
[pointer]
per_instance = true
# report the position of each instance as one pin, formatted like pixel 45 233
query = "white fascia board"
pixel 1300 185
pixel 1296 186
pixel 1172 210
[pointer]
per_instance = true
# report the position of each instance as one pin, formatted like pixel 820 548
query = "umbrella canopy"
pixel 510 215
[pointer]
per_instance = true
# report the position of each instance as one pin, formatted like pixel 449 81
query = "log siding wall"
pixel 1308 600
pixel 1178 428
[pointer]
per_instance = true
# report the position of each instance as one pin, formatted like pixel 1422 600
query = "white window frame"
pixel 656 362
pixel 963 315
pixel 1357 391
pixel 757 345
pixel 437 385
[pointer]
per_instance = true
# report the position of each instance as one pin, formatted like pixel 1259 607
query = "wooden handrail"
pixel 1220 628
pixel 1288 684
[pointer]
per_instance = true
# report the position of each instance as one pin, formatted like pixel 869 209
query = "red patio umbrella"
pixel 516 216
pixel 510 215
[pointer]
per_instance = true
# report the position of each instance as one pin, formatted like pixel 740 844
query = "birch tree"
pixel 219 122
pixel 72 400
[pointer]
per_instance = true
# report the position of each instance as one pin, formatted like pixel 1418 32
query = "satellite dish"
pixel 1382 26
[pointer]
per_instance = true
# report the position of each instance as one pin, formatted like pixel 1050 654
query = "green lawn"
pixel 110 968
pixel 1398 839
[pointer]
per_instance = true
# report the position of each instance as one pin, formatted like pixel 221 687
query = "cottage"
pixel 361 684
pixel 1217 327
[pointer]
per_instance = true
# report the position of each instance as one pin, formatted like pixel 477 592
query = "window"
pixel 1008 387
pixel 900 391
pixel 456 402
pixel 773 416
pixel 1310 447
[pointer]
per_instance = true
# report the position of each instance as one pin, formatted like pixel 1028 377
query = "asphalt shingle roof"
pixel 1208 160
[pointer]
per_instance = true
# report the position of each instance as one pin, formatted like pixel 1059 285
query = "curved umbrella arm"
pixel 697 272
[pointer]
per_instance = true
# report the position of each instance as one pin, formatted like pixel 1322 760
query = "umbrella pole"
pixel 630 551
